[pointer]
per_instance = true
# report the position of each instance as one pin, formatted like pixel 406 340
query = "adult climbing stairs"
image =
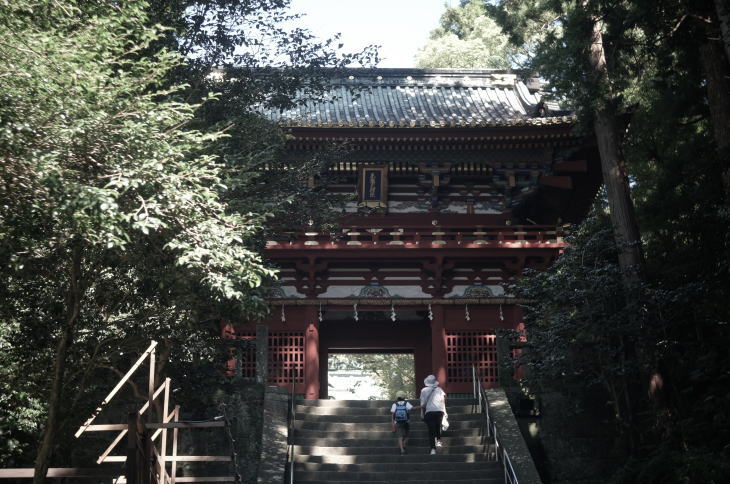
pixel 350 441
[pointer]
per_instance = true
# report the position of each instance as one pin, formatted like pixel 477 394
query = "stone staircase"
pixel 349 441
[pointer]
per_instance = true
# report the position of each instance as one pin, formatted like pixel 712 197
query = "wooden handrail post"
pixel 163 419
pixel 151 386
pixel 136 470
pixel 173 472
pixel 121 382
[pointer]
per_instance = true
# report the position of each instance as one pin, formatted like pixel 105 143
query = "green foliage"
pixel 467 38
pixel 100 157
pixel 240 50
pixel 656 83
pixel 392 372
pixel 112 223
pixel 581 326
pixel 126 213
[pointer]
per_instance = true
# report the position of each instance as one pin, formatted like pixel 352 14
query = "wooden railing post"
pixel 262 353
pixel 137 468
pixel 151 388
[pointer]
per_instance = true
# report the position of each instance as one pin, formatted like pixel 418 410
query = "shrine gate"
pixel 459 180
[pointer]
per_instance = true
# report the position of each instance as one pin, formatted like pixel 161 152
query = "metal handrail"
pixel 501 455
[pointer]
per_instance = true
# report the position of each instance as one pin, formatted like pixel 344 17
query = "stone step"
pixel 350 441
pixel 388 442
pixel 372 403
pixel 381 410
pixel 385 417
pixel 395 457
pixel 335 425
pixel 417 431
pixel 494 480
pixel 399 476
pixel 373 449
pixel 401 466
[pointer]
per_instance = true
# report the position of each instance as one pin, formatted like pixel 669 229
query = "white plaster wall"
pixel 394 291
pixel 291 291
pixel 404 207
pixel 457 291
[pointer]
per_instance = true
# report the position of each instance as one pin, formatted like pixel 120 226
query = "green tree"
pixel 392 372
pixel 239 49
pixel 109 206
pixel 579 322
pixel 655 71
pixel 467 38
pixel 126 214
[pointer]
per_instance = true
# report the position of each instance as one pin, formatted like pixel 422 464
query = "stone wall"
pixel 569 444
pixel 243 401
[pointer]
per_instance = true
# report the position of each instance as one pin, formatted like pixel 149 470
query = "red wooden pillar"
pixel 438 346
pixel 311 354
pixel 422 362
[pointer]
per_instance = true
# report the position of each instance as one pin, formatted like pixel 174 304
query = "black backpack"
pixel 401 411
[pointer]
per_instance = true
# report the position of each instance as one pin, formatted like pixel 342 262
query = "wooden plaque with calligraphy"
pixel 373 186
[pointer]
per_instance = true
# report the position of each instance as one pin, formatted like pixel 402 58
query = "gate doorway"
pixel 371 375
pixel 374 341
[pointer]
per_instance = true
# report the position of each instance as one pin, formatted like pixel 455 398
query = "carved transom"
pixel 477 290
pixel 374 290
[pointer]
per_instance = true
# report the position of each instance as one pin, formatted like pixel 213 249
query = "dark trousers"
pixel 433 422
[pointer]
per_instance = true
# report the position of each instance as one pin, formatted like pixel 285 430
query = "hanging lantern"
pixel 467 316
pixel 283 314
pixel 430 313
pixel 355 316
pixel 501 314
pixel 320 313
pixel 392 312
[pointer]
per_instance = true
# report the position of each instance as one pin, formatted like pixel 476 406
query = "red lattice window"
pixel 286 357
pixel 467 348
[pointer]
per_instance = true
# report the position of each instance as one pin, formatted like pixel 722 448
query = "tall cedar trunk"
pixel 613 165
pixel 623 218
pixel 722 8
pixel 717 74
pixel 73 306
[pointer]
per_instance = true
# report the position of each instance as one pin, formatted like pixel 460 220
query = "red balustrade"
pixel 426 237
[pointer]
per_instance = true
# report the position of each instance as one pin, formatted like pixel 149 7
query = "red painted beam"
pixel 578 166
pixel 556 181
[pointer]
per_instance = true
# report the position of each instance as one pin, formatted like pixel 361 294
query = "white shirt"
pixel 436 403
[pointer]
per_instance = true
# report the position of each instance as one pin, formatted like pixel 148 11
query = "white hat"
pixel 431 381
pixel 400 394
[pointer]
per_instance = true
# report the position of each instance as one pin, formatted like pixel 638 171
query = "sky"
pixel 399 26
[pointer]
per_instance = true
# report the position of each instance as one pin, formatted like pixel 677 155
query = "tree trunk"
pixel 73 305
pixel 717 74
pixel 722 7
pixel 615 176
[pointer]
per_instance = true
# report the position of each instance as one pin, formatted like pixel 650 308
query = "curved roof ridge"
pixel 408 97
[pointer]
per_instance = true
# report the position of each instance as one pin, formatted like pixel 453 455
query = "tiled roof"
pixel 402 98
